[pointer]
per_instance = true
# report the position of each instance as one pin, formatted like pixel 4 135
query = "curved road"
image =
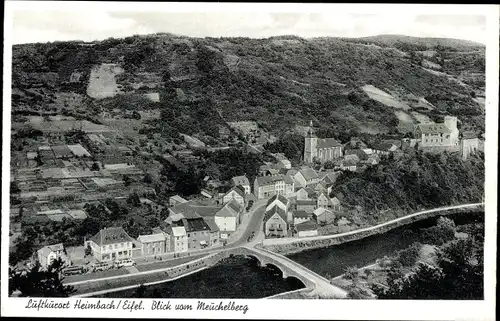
pixel 290 240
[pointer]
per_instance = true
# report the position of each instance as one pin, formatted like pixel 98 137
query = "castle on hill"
pixel 321 149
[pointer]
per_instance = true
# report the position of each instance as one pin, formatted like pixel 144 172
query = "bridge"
pixel 316 285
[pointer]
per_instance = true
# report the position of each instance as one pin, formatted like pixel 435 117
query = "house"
pixel 267 186
pixel 372 160
pixel 167 233
pixel 176 199
pixel 300 217
pixel 198 233
pixel 241 181
pixel 48 254
pixel 438 135
pixel 307 228
pixel 306 176
pixel 228 218
pixel 322 150
pixel 282 202
pixel 111 244
pixel 469 144
pixel 284 163
pixel 179 241
pixel 305 205
pixel 328 177
pixel 322 187
pixel 275 222
pixel 237 193
pixel 325 201
pixel 153 244
pixel 214 231
pixel 303 194
pixel 349 163
pixel 323 216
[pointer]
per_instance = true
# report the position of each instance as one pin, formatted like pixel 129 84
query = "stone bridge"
pixel 317 285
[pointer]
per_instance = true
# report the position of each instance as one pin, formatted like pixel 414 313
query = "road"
pixel 289 240
pixel 253 223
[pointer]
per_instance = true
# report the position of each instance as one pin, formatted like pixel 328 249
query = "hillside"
pixel 345 85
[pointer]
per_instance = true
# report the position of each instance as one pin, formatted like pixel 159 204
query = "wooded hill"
pixel 280 81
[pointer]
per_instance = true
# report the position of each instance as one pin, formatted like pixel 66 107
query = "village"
pixel 63 170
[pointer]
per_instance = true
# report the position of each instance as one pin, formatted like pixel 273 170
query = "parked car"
pixel 73 270
pixel 102 266
pixel 125 263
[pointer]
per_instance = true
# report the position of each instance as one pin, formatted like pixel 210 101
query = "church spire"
pixel 310 132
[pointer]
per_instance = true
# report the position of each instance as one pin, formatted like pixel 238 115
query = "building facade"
pixel 243 182
pixel 322 150
pixel 153 244
pixel 111 244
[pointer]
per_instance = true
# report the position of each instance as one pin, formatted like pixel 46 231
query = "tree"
pixel 351 273
pixel 442 232
pixel 126 180
pixel 409 256
pixel 39 283
pixel 14 188
pixel 134 200
pixel 140 292
pixel 148 178
pixel 95 167
pixel 457 276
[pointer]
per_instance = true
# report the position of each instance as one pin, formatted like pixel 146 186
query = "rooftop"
pixel 158 237
pixel 309 173
pixel 306 226
pixel 328 143
pixel 179 231
pixel 240 180
pixel 111 235
pixel 195 224
pixel 434 129
pixel 300 214
pixel 275 209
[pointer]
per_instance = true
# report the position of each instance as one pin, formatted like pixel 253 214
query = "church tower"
pixel 310 146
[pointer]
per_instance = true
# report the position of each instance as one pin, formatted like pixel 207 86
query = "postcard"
pixel 249 160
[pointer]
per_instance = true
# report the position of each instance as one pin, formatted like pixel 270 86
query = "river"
pixel 240 277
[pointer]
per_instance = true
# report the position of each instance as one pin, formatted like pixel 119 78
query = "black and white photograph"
pixel 249 160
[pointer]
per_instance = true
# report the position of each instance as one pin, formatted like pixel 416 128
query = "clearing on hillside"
pixel 102 82
pixel 383 97
pixel 421 118
pixel 193 141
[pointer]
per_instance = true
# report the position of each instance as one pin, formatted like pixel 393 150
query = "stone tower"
pixel 451 123
pixel 310 145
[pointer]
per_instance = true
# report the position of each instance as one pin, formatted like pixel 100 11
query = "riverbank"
pixel 293 246
pixel 130 281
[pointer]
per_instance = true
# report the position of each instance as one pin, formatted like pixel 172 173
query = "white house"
pixel 306 176
pixel 179 239
pixel 235 193
pixel 227 218
pixel 111 244
pixel 307 228
pixel 282 202
pixel 48 254
pixel 241 181
pixel 275 222
pixel 267 186
pixel 323 215
pixel 153 244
